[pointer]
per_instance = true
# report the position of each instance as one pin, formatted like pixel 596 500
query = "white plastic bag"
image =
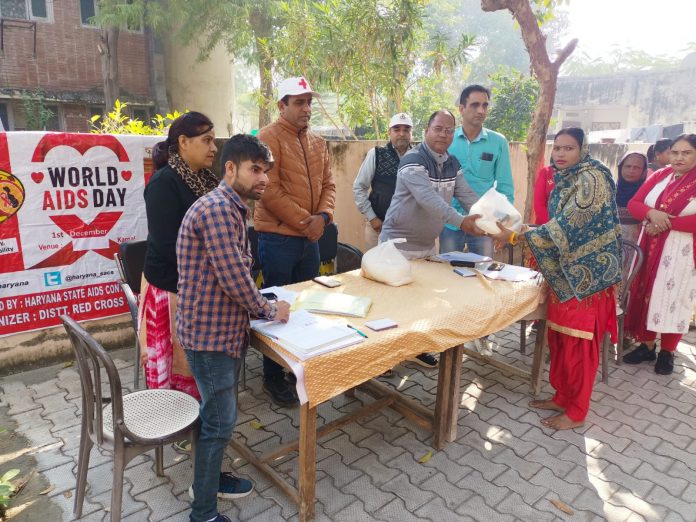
pixel 385 264
pixel 494 206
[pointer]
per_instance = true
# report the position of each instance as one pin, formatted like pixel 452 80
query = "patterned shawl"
pixel 578 250
pixel 200 182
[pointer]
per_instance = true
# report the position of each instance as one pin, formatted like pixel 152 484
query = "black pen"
pixel 361 334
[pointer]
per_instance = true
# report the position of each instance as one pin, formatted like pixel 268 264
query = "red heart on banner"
pixel 37 177
pixel 126 175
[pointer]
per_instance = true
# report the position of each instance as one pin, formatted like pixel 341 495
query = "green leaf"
pixel 9 475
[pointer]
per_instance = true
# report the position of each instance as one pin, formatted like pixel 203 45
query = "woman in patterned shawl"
pixel 664 291
pixel 183 163
pixel 579 254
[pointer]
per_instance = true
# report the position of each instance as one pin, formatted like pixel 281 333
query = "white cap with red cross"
pixel 294 87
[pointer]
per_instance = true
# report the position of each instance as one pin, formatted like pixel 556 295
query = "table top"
pixel 439 310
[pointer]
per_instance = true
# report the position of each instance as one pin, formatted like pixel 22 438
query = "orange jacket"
pixel 300 183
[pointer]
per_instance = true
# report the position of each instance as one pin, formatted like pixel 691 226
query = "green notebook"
pixel 332 303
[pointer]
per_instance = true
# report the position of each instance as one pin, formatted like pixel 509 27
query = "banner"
pixel 66 203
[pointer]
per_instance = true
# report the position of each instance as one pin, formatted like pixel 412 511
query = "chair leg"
pixel 136 363
pixel 619 347
pixel 605 358
pixel 523 337
pixel 82 467
pixel 159 461
pixel 243 370
pixel 193 437
pixel 117 492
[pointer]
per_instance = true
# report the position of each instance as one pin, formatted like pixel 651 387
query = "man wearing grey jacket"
pixel 427 179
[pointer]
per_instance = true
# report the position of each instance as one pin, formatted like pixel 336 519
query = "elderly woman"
pixel 183 161
pixel 664 291
pixel 579 254
pixel 633 170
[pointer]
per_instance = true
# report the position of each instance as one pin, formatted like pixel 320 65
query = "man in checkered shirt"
pixel 216 296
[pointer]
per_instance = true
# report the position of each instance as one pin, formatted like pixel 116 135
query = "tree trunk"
pixel 261 28
pixel 108 49
pixel 546 73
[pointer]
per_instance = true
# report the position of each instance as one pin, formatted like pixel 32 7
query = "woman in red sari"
pixel 578 253
pixel 664 291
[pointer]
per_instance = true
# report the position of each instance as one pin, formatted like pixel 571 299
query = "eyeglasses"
pixel 447 131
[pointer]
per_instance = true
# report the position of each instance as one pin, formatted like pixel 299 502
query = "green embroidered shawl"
pixel 578 251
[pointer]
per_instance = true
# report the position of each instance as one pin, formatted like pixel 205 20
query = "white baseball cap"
pixel 400 119
pixel 294 87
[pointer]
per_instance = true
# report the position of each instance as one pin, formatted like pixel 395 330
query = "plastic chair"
pixel 131 424
pixel 130 261
pixel 347 258
pixel 632 261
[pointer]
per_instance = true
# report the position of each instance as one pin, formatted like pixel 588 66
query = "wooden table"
pixel 438 312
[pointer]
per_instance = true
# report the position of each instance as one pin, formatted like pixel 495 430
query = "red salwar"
pixel 576 330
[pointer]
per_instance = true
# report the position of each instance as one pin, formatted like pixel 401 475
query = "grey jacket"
pixel 425 185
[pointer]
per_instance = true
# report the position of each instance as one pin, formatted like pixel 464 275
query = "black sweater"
pixel 167 198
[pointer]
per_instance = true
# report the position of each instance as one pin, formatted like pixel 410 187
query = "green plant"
pixel 36 113
pixel 6 490
pixel 514 98
pixel 119 122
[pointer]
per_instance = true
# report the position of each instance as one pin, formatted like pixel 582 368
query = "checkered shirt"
pixel 216 293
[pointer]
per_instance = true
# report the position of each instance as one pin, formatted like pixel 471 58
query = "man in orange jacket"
pixel 296 207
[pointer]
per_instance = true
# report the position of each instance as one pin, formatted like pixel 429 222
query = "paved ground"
pixel 634 460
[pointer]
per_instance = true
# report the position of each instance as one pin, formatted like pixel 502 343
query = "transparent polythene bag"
pixel 385 264
pixel 494 206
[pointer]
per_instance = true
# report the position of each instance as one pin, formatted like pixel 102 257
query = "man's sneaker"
pixel 182 446
pixel 483 346
pixel 425 360
pixel 665 363
pixel 279 391
pixel 231 487
pixel 219 518
pixel 639 355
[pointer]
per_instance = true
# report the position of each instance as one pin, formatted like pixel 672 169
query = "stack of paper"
pixel 306 335
pixel 332 303
pixel 461 256
pixel 508 273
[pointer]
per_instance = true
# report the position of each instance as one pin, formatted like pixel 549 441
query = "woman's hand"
pixel 659 222
pixel 502 238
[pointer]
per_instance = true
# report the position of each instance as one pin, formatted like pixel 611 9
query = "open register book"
pixel 306 335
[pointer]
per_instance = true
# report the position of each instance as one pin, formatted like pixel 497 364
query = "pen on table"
pixel 361 334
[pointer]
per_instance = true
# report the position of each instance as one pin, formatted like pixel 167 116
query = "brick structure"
pixel 53 52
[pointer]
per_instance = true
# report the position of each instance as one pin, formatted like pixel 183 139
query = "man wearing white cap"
pixel 296 206
pixel 376 180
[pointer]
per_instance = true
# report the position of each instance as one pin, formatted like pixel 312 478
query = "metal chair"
pixel 632 261
pixel 130 424
pixel 130 261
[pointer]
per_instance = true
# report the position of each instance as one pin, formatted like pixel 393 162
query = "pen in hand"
pixel 361 334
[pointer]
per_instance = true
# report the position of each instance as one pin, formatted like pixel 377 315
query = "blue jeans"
pixel 455 240
pixel 285 260
pixel 217 377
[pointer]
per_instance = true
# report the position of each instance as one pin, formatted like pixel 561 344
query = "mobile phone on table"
pixel 327 281
pixel 495 266
pixel 270 296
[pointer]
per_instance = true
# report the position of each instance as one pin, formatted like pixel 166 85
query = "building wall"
pixel 67 58
pixel 206 87
pixel 634 99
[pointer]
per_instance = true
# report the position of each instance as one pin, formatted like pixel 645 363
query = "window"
pixel 4 117
pixel 87 10
pixel 142 114
pixel 25 9
pixel 53 123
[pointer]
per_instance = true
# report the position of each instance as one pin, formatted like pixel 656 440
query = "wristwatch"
pixel 326 217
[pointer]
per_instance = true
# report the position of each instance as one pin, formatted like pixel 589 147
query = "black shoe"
pixel 665 363
pixel 639 355
pixel 279 391
pixel 425 360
